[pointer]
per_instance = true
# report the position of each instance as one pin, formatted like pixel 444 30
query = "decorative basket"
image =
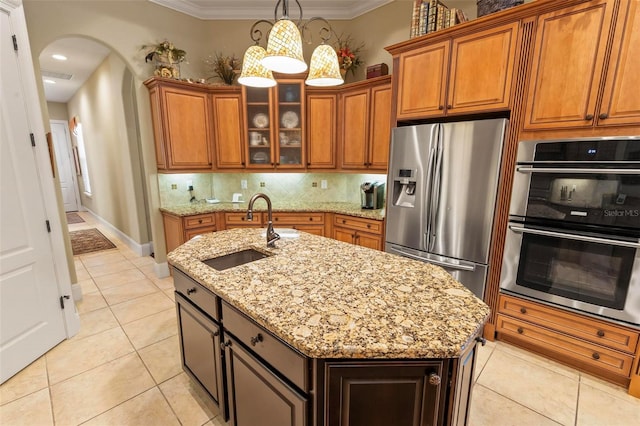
pixel 486 7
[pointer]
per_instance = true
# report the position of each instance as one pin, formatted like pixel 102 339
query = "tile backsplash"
pixel 341 187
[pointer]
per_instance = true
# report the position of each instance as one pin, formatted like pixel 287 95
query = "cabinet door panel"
pixel 355 129
pixel 257 396
pixel 482 69
pixel 621 103
pixel 567 66
pixel 423 77
pixel 380 119
pixel 158 134
pixel 228 134
pixel 370 241
pixel 187 129
pixel 343 235
pixel 321 121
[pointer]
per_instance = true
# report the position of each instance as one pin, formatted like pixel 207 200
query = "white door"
pixel 31 320
pixel 64 161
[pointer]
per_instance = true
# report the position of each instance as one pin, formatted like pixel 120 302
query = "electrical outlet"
pixel 323 184
pixel 243 184
pixel 314 184
pixel 174 186
pixel 262 184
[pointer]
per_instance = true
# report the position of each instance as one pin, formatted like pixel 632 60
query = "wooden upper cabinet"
pixel 321 130
pixel 423 81
pixel 380 127
pixel 355 129
pixel 229 139
pixel 482 70
pixel 365 122
pixel 568 60
pixel 466 74
pixel 621 103
pixel 182 126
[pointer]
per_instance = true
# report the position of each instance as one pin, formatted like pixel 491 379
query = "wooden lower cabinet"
pixel 360 231
pixel 596 346
pixel 239 220
pixel 312 223
pixel 180 229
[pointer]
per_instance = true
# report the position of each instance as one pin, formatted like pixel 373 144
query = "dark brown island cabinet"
pixel 257 379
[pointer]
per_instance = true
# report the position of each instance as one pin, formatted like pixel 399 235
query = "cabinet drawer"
pixel 585 353
pixel 282 357
pixel 200 220
pixel 240 219
pixel 297 218
pixel 371 226
pixel 189 234
pixel 593 330
pixel 197 294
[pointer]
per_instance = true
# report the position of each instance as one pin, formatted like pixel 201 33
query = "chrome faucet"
pixel 272 236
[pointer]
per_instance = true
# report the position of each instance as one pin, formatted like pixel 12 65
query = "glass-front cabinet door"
pixel 275 125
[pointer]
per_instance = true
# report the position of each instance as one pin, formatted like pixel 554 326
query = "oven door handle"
pixel 521 230
pixel 599 171
pixel 435 262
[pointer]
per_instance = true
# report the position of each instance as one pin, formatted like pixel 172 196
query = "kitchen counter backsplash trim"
pixel 351 209
pixel 352 302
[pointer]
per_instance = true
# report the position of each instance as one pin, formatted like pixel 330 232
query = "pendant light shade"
pixel 324 69
pixel 284 49
pixel 254 74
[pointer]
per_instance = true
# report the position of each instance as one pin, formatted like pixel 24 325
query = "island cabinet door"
pixel 201 350
pixel 386 393
pixel 257 396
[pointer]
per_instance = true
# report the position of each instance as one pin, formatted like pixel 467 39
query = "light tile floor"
pixel 123 368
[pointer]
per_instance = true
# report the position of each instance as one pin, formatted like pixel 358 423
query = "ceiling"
pixel 84 55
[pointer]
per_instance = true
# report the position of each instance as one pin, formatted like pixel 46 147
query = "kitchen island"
pixel 323 332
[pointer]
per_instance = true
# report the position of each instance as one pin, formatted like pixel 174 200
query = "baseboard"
pixel 140 249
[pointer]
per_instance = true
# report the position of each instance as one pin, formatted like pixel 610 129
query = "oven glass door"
pixel 590 269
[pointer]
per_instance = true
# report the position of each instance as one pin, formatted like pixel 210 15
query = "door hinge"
pixel 66 296
pixel 33 139
pixel 15 42
pixel 48 226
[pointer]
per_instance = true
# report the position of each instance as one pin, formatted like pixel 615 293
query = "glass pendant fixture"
pixel 324 69
pixel 254 74
pixel 284 52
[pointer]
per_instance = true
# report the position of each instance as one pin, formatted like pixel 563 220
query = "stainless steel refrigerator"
pixel 441 195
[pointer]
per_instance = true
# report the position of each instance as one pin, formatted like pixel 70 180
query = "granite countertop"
pixel 352 209
pixel 330 299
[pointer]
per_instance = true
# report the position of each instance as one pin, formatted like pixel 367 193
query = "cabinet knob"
pixel 308 164
pixel 434 379
pixel 589 117
pixel 344 221
pixel 211 164
pixel 310 219
pixel 440 107
pixel 216 333
pixel 595 355
pixel 258 338
pixel 191 290
pixel 368 225
pixel 227 343
pixel 242 218
pixel 242 164
pixel 199 220
pixel 600 333
pixel 520 330
pixel 449 106
pixel 275 219
pixel 277 164
pixel 523 310
pixel 603 116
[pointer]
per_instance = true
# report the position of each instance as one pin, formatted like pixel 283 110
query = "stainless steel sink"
pixel 238 258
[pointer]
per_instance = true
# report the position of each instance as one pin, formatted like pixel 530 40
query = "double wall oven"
pixel 573 237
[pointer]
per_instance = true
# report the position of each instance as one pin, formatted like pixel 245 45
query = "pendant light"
pixel 284 52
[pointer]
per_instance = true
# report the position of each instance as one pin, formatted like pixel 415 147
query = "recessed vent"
pixel 53 74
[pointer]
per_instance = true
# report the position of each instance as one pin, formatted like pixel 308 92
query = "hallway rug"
pixel 89 240
pixel 73 217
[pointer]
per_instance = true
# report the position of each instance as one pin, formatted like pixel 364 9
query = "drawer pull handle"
pixel 520 330
pixel 600 333
pixel 595 355
pixel 199 220
pixel 434 379
pixel 257 339
pixel 191 290
pixel 523 310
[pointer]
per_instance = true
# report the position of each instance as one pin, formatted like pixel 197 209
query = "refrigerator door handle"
pixel 429 177
pixel 435 262
pixel 435 193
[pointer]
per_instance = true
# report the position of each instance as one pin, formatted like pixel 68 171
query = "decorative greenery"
pixel 164 52
pixel 223 67
pixel 348 53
